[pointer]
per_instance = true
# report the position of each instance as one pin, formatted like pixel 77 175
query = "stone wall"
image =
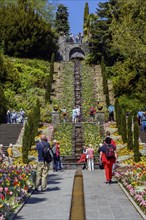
pixel 66 47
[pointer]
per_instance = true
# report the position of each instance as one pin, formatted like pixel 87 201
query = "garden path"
pixel 102 201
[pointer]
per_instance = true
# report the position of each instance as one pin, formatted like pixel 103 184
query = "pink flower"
pixel 143 203
pixel 6 189
pixel 11 193
pixel 1 189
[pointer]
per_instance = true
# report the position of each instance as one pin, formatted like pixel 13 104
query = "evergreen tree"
pixel 44 8
pixel 129 69
pixel 22 37
pixel 100 35
pixel 62 24
pixel 124 127
pixel 136 143
pixel 2 105
pixel 86 13
pixel 129 133
pixel 25 144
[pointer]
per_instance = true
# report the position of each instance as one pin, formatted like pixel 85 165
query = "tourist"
pixel 113 143
pixel 111 112
pixel 8 116
pixel 22 113
pixel 143 122
pixel 78 113
pixel 64 114
pixel 2 155
pixel 83 157
pixel 139 116
pixel 10 154
pixel 54 154
pixel 58 165
pixel 42 166
pixel 90 157
pixel 92 114
pixel 108 162
pixel 74 115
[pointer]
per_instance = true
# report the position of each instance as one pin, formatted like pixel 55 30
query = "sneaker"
pixel 43 190
pixel 36 190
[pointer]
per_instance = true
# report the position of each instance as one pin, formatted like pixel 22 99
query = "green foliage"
pixel 30 131
pixel 45 8
pixel 2 105
pixel 136 143
pixel 24 38
pixel 129 133
pixel 128 40
pixel 62 24
pixel 118 111
pixel 99 35
pixel 124 127
pixel 25 144
pixel 118 34
pixel 86 13
pixel 24 80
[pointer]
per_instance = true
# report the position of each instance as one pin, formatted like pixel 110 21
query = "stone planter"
pixel 100 108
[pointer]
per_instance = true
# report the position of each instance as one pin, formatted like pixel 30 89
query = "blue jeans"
pixel 57 163
pixel 143 128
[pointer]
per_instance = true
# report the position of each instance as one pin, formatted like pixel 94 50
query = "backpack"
pixel 110 151
pixel 47 154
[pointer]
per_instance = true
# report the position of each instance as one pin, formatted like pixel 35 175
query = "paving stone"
pixel 102 202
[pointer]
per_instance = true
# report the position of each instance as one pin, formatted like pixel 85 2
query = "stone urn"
pixel 55 108
pixel 100 108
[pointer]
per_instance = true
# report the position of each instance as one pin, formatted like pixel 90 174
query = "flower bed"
pixel 131 175
pixel 15 185
pixel 133 178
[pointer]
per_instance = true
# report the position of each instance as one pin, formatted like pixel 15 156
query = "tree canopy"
pixel 24 33
pixel 118 34
pixel 62 24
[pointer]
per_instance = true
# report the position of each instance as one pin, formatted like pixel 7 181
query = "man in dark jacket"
pixel 42 166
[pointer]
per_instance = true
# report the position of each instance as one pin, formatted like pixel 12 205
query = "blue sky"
pixel 76 12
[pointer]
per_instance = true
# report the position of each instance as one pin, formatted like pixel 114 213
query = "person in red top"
pixel 83 157
pixel 58 161
pixel 113 143
pixel 107 162
pixel 92 113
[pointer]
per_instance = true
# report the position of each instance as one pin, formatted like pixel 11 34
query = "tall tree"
pixel 129 41
pixel 2 105
pixel 100 35
pixel 62 23
pixel 45 8
pixel 22 37
pixel 86 13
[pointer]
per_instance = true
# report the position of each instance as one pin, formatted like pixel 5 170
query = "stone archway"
pixel 76 53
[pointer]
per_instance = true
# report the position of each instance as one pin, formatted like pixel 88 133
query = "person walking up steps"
pixel 74 115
